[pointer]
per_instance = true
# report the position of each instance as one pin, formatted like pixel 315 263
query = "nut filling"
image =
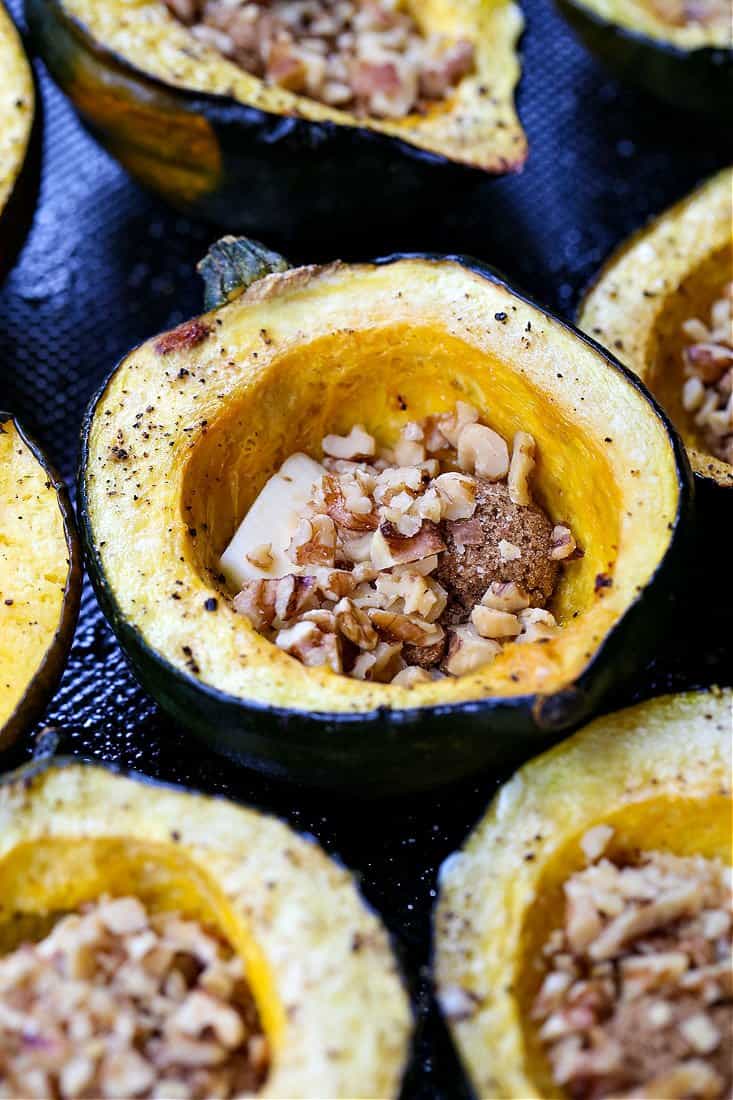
pixel 685 13
pixel 638 998
pixel 116 1002
pixel 405 564
pixel 365 56
pixel 707 393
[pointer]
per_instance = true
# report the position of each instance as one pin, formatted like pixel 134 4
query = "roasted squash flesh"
pixel 16 108
pixel 315 351
pixel 668 273
pixel 659 774
pixel 39 579
pixel 75 833
pixel 479 127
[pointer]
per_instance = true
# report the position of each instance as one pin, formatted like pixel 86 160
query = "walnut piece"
pixel 357 444
pixel 520 469
pixel 563 544
pixel 468 651
pixel 491 623
pixel 483 452
pixel 457 494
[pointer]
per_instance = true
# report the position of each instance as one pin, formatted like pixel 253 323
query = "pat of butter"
pixel 272 519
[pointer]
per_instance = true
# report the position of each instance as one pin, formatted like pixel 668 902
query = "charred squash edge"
pixel 43 685
pixel 385 762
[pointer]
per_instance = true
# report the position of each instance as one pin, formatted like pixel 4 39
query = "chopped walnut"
pixel 357 444
pixel 261 556
pixel 451 425
pixel 397 627
pixel 408 677
pixel 491 623
pixel 505 596
pixel 537 625
pixel 355 624
pixel 483 452
pixel 520 469
pixel 616 1012
pixel 563 543
pixel 408 452
pixel 390 548
pixel 312 647
pixel 468 651
pixel 707 391
pixel 381 665
pixel 457 494
pixel 160 1007
pixel 314 542
pixel 390 555
pixel 256 601
pixel 416 593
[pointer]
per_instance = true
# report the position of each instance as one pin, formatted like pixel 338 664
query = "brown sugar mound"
pixel 473 557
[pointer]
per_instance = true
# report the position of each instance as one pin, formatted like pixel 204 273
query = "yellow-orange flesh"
pixel 34 568
pixel 315 351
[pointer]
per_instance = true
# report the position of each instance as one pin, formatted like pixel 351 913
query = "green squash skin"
pixel 16 217
pixel 698 80
pixel 47 678
pixel 247 170
pixel 391 752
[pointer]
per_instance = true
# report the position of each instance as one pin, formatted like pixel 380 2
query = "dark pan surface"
pixel 107 266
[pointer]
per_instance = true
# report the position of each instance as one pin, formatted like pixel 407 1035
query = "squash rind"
pixel 41 687
pixel 319 961
pixel 217 143
pixel 683 72
pixel 659 772
pixel 406 739
pixel 623 305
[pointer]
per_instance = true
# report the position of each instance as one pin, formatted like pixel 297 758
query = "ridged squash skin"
pixel 219 143
pixel 670 270
pixel 20 143
pixel 190 425
pixel 688 66
pixel 659 774
pixel 40 580
pixel 318 961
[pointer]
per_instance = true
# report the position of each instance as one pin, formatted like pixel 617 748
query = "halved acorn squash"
pixel 218 142
pixel 686 62
pixel 19 143
pixel 317 960
pixel 40 580
pixel 659 774
pixel 671 270
pixel 188 428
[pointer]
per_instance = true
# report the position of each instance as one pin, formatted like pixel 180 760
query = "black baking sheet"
pixel 107 265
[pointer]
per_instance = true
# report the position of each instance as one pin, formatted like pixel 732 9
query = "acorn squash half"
pixel 190 425
pixel 659 774
pixel 670 270
pixel 317 960
pixel 19 143
pixel 688 64
pixel 219 143
pixel 40 580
